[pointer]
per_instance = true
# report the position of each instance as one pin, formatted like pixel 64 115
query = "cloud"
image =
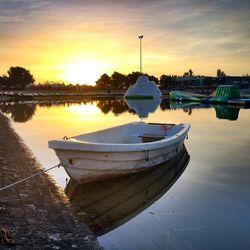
pixel 186 30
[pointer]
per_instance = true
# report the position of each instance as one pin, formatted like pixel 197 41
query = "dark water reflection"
pixel 19 112
pixel 222 111
pixel 107 204
pixel 24 111
pixel 207 208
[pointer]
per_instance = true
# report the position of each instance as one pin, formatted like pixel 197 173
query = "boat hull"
pixel 88 166
pixel 108 204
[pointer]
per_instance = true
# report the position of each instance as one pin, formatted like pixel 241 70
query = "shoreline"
pixel 36 213
pixel 6 96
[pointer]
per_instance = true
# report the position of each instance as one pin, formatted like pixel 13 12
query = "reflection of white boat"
pixel 124 149
pixel 143 107
pixel 106 204
pixel 143 89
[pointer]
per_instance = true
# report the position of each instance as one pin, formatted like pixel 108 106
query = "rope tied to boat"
pixel 29 177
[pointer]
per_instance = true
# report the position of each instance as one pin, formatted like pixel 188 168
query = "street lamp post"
pixel 140 37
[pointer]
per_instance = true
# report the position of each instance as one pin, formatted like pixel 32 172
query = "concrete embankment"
pixel 40 96
pixel 34 214
pixel 43 96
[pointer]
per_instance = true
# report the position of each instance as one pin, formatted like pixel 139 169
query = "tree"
pixel 167 81
pixel 220 73
pixel 223 73
pixel 3 82
pixel 132 77
pixel 119 81
pixel 190 72
pixel 153 78
pixel 19 78
pixel 104 82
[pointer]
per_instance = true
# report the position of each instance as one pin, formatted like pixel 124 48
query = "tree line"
pixel 19 78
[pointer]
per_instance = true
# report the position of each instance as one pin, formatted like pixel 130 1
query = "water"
pixel 208 206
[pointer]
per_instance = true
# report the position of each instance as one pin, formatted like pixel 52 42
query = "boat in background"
pixel 107 204
pixel 181 96
pixel 224 94
pixel 143 89
pixel 119 150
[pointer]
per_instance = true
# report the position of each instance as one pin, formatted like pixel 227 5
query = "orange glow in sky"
pixel 82 72
pixel 77 41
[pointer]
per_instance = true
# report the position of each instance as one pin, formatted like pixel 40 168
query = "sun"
pixel 82 73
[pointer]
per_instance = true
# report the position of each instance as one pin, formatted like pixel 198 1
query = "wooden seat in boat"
pixel 151 138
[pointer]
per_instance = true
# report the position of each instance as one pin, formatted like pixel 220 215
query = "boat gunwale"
pixel 80 145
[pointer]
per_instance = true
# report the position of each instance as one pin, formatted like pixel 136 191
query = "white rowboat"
pixel 107 204
pixel 119 150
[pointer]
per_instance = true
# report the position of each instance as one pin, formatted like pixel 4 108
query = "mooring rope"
pixel 29 177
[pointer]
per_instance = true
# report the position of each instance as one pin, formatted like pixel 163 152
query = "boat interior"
pixel 131 133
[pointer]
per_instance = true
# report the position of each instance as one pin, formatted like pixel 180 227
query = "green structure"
pixel 225 94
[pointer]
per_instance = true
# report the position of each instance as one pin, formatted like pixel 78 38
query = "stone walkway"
pixel 34 214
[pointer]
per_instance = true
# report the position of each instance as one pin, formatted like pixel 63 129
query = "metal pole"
pixel 140 56
pixel 140 37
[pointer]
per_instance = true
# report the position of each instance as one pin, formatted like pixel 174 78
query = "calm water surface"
pixel 205 207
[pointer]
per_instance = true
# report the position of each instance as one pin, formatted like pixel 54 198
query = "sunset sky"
pixel 78 40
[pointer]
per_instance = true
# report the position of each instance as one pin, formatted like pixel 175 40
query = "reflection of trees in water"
pixel 19 112
pixel 164 104
pixel 188 110
pixel 115 106
pixel 22 112
pixel 65 103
